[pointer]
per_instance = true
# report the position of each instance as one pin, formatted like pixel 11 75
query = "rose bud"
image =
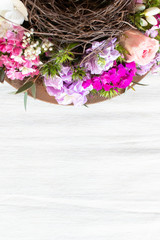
pixel 141 49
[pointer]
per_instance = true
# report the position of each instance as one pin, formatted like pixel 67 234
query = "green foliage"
pixel 53 67
pixel 136 19
pixel 103 93
pixel 25 100
pixel 85 105
pixel 25 87
pixel 93 92
pixel 158 36
pixel 122 51
pixel 141 84
pixel 63 56
pixel 133 88
pixel 72 46
pixel 33 90
pixel 79 73
pixel 108 94
pixel 153 3
pixel 2 74
pixel 50 69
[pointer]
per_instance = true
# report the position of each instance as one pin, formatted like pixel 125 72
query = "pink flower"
pixel 141 49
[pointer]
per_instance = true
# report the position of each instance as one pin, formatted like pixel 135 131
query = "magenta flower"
pixel 119 76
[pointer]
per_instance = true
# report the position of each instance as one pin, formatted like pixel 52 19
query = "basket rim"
pixel 42 95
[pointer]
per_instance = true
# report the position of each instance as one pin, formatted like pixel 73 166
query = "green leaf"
pixel 33 90
pixel 139 83
pixel 153 3
pixel 121 49
pixel 133 88
pixel 72 46
pixel 85 105
pixel 2 75
pixel 93 92
pixel 79 73
pixel 108 94
pixel 12 92
pixel 25 87
pixel 51 69
pixel 25 100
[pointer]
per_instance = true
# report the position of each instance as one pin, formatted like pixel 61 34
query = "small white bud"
pixel 50 44
pixel 151 11
pixel 139 7
pixel 143 22
pixel 152 20
pixel 27 34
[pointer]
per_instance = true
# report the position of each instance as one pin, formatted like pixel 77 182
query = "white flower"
pixel 143 22
pixel 14 11
pixel 26 70
pixel 151 11
pixel 139 7
pixel 18 59
pixel 152 20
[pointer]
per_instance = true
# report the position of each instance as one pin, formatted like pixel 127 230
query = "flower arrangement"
pixel 73 69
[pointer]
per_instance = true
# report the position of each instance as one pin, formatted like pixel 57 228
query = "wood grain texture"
pixel 81 173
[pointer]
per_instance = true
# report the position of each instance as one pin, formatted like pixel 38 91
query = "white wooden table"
pixel 81 173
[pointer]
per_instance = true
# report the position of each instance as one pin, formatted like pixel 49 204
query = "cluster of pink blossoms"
pixel 16 64
pixel 119 76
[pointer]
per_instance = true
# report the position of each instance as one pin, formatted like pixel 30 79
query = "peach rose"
pixel 141 49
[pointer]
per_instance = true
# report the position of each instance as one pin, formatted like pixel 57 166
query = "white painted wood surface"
pixel 81 174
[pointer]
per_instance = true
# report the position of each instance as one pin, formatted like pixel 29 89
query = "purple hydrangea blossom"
pixel 65 90
pixel 73 93
pixel 97 63
pixel 152 32
pixel 56 82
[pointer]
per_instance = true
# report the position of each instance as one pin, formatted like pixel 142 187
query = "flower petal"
pixel 6 5
pixel 14 16
pixel 152 20
pixel 152 11
pixel 21 8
